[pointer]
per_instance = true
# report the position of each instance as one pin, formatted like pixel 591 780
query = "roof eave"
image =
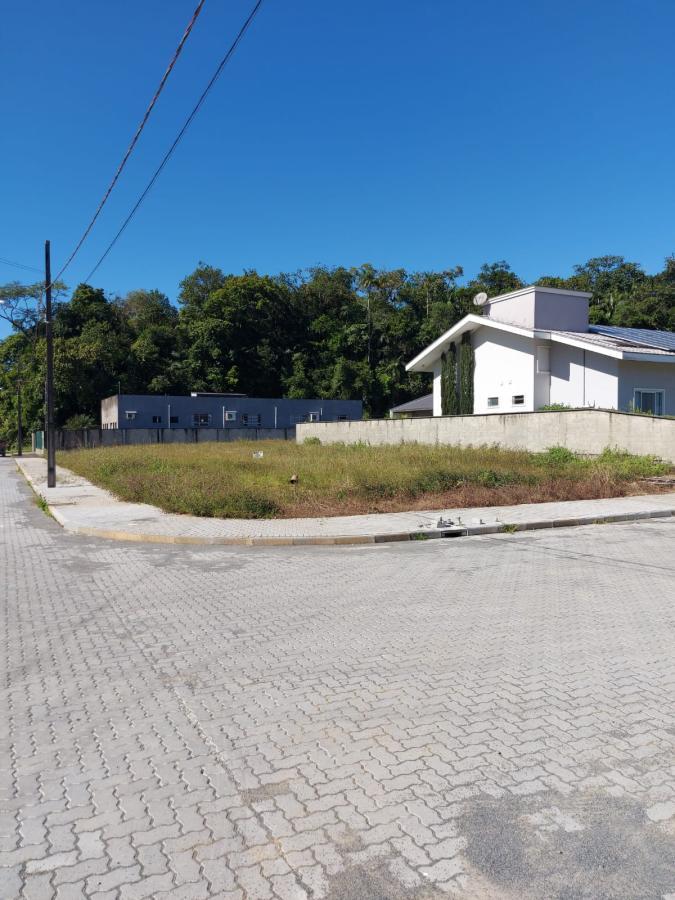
pixel 425 360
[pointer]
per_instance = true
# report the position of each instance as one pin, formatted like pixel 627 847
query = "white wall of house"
pixel 602 381
pixel 659 376
pixel 542 373
pixel 583 378
pixel 438 403
pixel 544 308
pixel 567 375
pixel 504 368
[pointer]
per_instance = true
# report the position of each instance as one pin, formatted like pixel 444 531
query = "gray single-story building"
pixel 419 408
pixel 212 410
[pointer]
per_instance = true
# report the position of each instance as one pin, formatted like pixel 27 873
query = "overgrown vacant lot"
pixel 227 480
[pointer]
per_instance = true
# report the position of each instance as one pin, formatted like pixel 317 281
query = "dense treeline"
pixel 326 332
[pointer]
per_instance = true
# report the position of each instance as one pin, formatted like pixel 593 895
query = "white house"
pixel 534 347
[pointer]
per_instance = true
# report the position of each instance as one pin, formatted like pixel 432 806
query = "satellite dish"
pixel 480 299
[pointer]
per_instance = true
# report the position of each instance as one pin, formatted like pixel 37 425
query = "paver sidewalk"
pixel 490 719
pixel 82 508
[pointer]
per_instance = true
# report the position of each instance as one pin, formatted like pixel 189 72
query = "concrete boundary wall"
pixel 581 430
pixel 78 438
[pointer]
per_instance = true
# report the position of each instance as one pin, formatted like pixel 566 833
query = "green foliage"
pixel 466 367
pixel 557 456
pixel 327 332
pixel 42 504
pixel 449 387
pixel 80 420
pixel 554 407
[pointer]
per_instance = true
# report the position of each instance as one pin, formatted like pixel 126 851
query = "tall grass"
pixel 227 480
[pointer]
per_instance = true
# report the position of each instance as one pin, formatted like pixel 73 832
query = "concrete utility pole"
pixel 51 449
pixel 19 423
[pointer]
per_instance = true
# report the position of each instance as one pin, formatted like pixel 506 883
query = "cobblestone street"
pixel 488 717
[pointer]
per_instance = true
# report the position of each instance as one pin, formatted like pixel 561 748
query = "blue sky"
pixel 424 134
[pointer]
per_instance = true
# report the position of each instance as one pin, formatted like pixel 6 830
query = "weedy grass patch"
pixel 226 480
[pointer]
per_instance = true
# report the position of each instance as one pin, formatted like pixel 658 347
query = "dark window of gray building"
pixel 201 419
pixel 131 414
pixel 250 419
pixel 173 420
pixel 156 420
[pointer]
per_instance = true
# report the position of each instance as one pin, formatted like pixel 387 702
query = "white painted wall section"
pixel 647 376
pixel 504 368
pixel 602 381
pixel 567 375
pixel 583 378
pixel 438 402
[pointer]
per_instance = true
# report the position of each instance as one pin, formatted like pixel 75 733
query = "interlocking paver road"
pixel 487 718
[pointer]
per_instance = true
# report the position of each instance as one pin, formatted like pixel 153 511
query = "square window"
pixel 493 401
pixel 649 400
pixel 230 415
pixel 173 420
pixel 200 420
pixel 130 414
pixel 314 417
pixel 518 400
pixel 156 420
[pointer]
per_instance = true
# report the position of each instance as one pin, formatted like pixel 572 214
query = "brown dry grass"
pixel 226 480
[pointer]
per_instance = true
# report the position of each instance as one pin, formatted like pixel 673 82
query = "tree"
pixel 495 278
pixel 22 304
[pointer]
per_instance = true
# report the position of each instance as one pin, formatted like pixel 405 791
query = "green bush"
pixel 557 456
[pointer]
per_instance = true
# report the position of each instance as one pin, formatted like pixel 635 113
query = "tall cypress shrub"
pixel 449 398
pixel 466 367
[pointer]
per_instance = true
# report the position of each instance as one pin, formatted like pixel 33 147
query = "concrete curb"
pixel 345 540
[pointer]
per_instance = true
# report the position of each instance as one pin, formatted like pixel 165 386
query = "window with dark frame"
pixel 518 400
pixel 493 401
pixel 649 400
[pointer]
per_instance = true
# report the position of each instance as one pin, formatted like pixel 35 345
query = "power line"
pixel 135 138
pixel 224 61
pixel 18 265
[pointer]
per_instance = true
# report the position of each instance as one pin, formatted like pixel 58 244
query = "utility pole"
pixel 51 449
pixel 19 423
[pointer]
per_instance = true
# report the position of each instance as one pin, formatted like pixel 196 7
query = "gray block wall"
pixel 586 431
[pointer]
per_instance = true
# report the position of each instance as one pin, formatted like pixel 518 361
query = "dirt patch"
pixel 265 792
pixel 586 847
pixel 376 882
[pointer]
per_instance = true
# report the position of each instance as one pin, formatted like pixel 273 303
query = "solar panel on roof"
pixel 660 340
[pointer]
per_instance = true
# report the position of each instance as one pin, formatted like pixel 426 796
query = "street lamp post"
pixel 51 449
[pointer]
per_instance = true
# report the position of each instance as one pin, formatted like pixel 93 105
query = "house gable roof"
pixel 605 344
pixel 425 360
pixel 419 404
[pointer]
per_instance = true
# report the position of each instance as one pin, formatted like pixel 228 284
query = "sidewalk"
pixel 82 508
